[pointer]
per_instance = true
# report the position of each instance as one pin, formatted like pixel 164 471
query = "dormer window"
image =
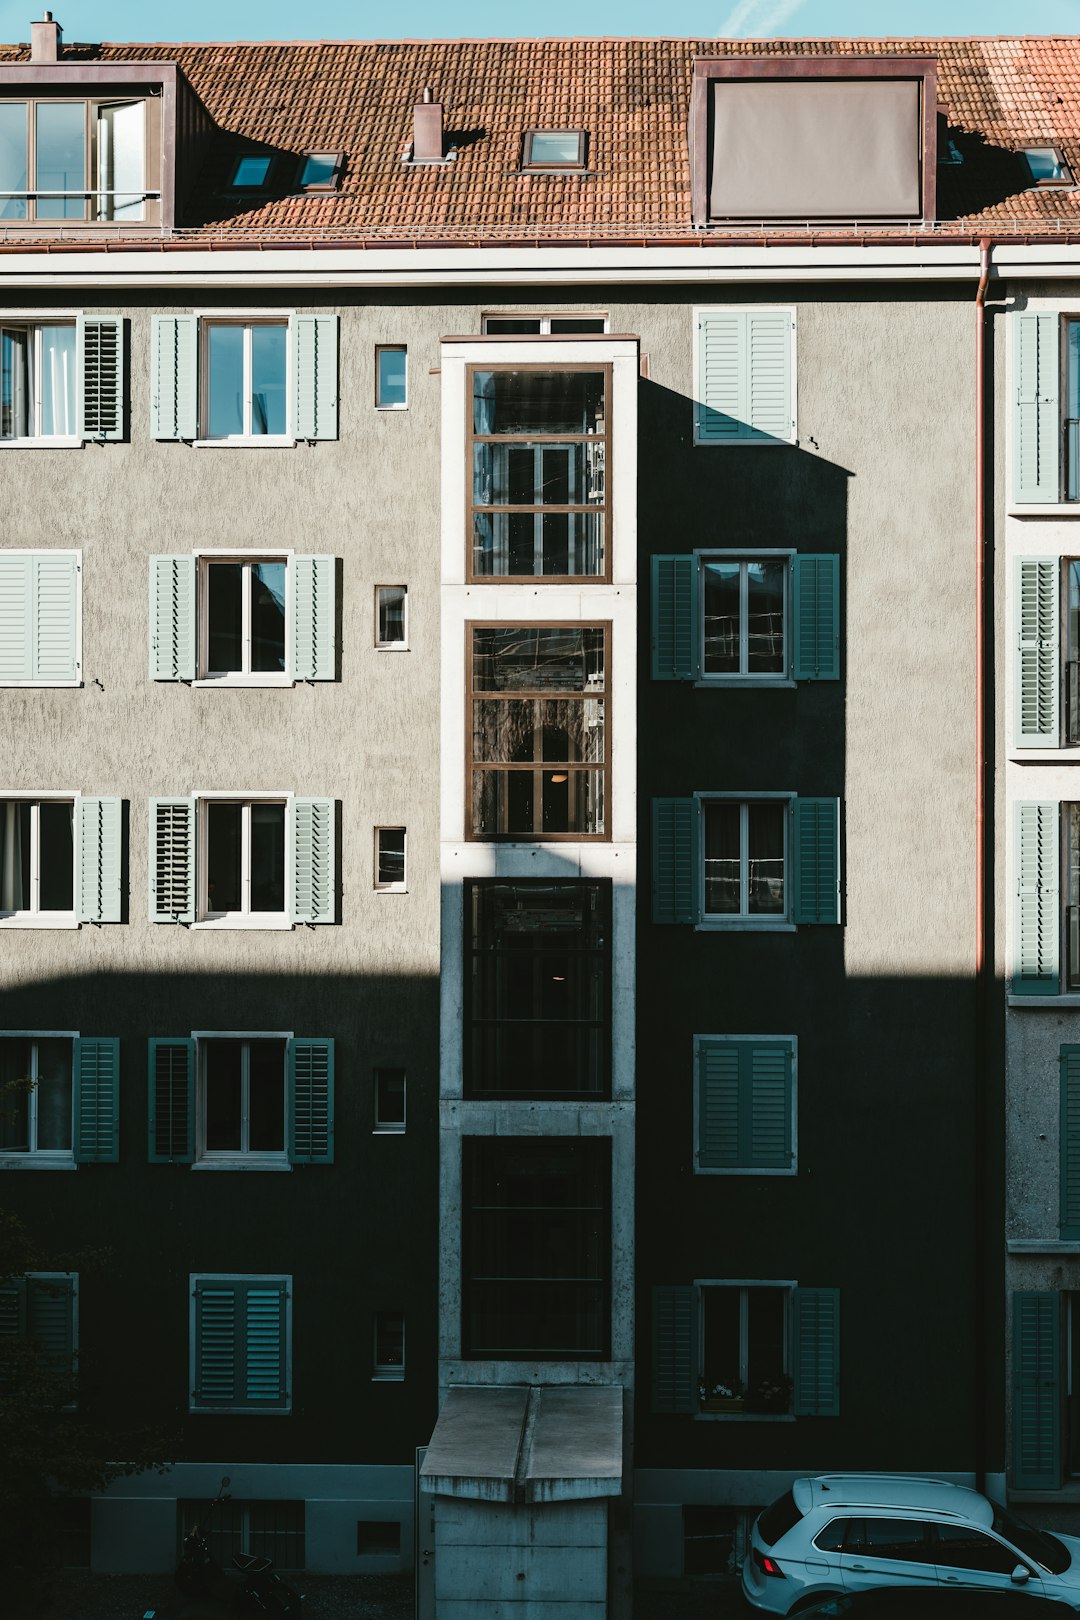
pixel 250 173
pixel 554 149
pixel 320 171
pixel 1046 166
pixel 63 159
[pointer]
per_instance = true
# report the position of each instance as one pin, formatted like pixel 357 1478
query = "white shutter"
pixel 172 860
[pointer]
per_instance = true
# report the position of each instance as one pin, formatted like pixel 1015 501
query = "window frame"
pixel 198 1408
pixel 34 917
pixel 34 1157
pixel 604 508
pixel 392 646
pixel 246 439
pixel 257 188
pixel 33 325
pixel 304 187
pixel 391 885
pixel 59 551
pixel 92 190
pixel 1063 182
pixel 537 767
pixel 787 1287
pixel 205 559
pixel 380 403
pixel 391 1127
pixel 245 918
pixel 780 921
pixel 734 554
pixel 242 1158
pixel 791 1170
pixel 386 1372
pixel 538 165
pixel 544 321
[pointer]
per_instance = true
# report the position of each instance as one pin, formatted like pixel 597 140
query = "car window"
pixel 1038 1545
pixel 831 1539
pixel 959 1547
pixel 897 1538
pixel 778 1519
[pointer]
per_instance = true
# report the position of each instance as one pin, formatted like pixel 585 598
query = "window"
pixel 391 617
pixel 37 381
pixel 543 325
pixel 745 1104
pixel 709 1540
pixel 250 619
pixel 390 378
pixel 242 860
pixel 536 742
pixel 390 858
pixel 538 988
pixel 378 1538
pixel 241 1101
pixel 958 1547
pixel 1046 166
pixel 40 618
pixel 243 618
pixel 43 1306
pixel 745 612
pixel 390 1101
pixel 251 172
pixel 746 858
pixel 321 171
pixel 36 1096
pixel 245 372
pixel 273 1530
pixel 745 1338
pixel 37 861
pixel 77 160
pixel 536 1247
pixel 389 1345
pixel 554 149
pixel 538 453
pixel 240 1344
pixel 744 376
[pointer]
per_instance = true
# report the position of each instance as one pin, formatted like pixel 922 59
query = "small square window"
pixel 320 171
pixel 390 1100
pixel 250 173
pixel 391 626
pixel 390 858
pixel 390 378
pixel 378 1538
pixel 389 1344
pixel 1047 166
pixel 554 149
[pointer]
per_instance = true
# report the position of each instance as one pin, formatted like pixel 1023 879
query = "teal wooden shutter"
pixel 312 875
pixel 98 854
pixel 1036 945
pixel 97 1100
pixel 172 618
pixel 767 1131
pixel 99 351
pixel 265 1325
pixel 16 616
pixel 816 1351
pixel 313 621
pixel 217 1343
pixel 1069 1149
pixel 676 857
pixel 50 1319
pixel 816 628
pixel 719 1099
pixel 310 1068
pixel 816 860
pixel 674 1349
pixel 170 1071
pixel 1037 1414
pixel 55 628
pixel 744 1104
pixel 1036 417
pixel 13 1308
pixel 1037 667
pixel 240 1344
pixel 174 376
pixel 315 371
pixel 172 860
pixel 676 629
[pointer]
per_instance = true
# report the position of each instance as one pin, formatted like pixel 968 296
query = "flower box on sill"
pixel 729 1404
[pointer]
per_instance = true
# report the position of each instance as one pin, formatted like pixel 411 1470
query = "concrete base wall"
pixel 497 1562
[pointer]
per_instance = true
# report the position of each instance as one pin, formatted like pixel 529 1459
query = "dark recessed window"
pixel 378 1539
pixel 250 173
pixel 554 149
pixel 320 171
pixel 543 325
pixel 390 1100
pixel 1047 166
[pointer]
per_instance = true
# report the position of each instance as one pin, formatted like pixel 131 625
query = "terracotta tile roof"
pixel 630 95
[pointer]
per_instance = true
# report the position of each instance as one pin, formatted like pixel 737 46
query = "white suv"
pixel 852 1532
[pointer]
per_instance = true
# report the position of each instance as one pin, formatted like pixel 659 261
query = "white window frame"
pixel 744 918
pixel 245 918
pixel 545 321
pixel 205 558
pixel 61 551
pixel 32 323
pixel 34 917
pixel 734 554
pixel 387 1372
pixel 242 1158
pixel 393 646
pixel 787 1286
pixel 36 1158
pixel 245 440
pixel 380 403
pixel 242 1277
pixel 392 1127
pixel 740 1170
pixel 383 886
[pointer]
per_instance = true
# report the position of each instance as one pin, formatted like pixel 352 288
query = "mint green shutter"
pixel 816 860
pixel 310 1069
pixel 170 1071
pixel 50 1319
pixel 1037 1414
pixel 676 836
pixel 97 1100
pixel 56 612
pixel 16 617
pixel 99 349
pixel 771 410
pixel 676 627
pixel 1036 365
pixel 674 1349
pixel 816 1351
pixel 313 622
pixel 98 844
pixel 239 1341
pixel 172 618
pixel 172 860
pixel 1036 945
pixel 1037 663
pixel 312 878
pixel 1069 1181
pixel 315 372
pixel 174 376
pixel 719 1104
pixel 816 629
pixel 721 405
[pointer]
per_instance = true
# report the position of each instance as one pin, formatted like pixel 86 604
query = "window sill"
pixel 37 1161
pixel 741 1170
pixel 391 407
pixel 391 888
pixel 743 925
pixel 1070 998
pixel 388 1377
pixel 245 1161
pixel 391 646
pixel 262 441
pixel 39 684
pixel 68 442
pixel 777 683
pixel 244 680
pixel 1037 509
pixel 42 919
pixel 744 1417
pixel 252 924
pixel 1068 754
pixel 388 1130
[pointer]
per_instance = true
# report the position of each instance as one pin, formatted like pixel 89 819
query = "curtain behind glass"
pixel 57 381
pixel 14 855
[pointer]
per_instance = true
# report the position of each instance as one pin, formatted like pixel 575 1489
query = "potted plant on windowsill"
pixel 770 1396
pixel 720 1397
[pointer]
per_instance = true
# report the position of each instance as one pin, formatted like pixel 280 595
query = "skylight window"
pixel 1047 166
pixel 320 171
pixel 554 149
pixel 250 173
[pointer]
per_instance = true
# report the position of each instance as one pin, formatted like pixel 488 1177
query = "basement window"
pixel 554 149
pixel 1047 166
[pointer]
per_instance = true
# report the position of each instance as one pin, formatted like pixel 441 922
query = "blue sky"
pixel 435 19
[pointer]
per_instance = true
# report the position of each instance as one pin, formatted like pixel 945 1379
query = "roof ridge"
pixel 569 39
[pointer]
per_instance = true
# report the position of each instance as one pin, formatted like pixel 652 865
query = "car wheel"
pixel 809 1602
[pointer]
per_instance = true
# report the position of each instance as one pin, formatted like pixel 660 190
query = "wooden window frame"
pixel 538 165
pixel 537 766
pixel 472 438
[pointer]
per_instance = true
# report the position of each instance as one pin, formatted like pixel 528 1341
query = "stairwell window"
pixel 37 382
pixel 245 371
pixel 37 862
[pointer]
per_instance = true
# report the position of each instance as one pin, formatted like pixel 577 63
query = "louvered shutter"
pixel 721 404
pixel 217 1344
pixel 676 837
pixel 170 1071
pixel 50 1319
pixel 172 618
pixel 745 376
pixel 13 1308
pixel 97 1100
pixel 1036 418
pixel 172 860
pixel 1037 669
pixel 312 874
pixel 314 341
pixel 265 1385
pixel 56 617
pixel 816 866
pixel 1036 940
pixel 1069 1192
pixel 310 1069
pixel 1037 1414
pixel 744 1104
pixel 768 1066
pixel 771 409
pixel 674 1349
pixel 240 1344
pixel 719 1102
pixel 816 1351
pixel 174 376
pixel 16 616
pixel 313 622
pixel 816 627
pixel 98 845
pixel 99 347
pixel 676 631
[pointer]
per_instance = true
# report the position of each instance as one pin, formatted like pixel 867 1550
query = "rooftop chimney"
pixel 45 40
pixel 427 130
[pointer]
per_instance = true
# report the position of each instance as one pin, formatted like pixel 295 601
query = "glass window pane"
pixel 526 659
pixel 391 615
pixel 722 618
pixel 15 1080
pixel 723 1367
pixel 765 1336
pixel 390 383
pixel 224 1110
pixel 319 169
pixel 54 1095
pixel 389 1341
pixel 268 617
pixel 223 888
pixel 57 857
pixel 766 858
pixel 391 856
pixel 555 146
pixel 268 354
pixel 1072 409
pixel 765 617
pixel 904 1539
pixel 121 138
pixel 390 1097
pixel 268 857
pixel 56 352
pixel 266 1107
pixel 1044 163
pixel 510 326
pixel 225 641
pixel 251 171
pixel 14 383
pixel 538 402
pixel 61 159
pixel 578 323
pixel 722 857
pixel 15 855
pixel 958 1547
pixel 13 148
pixel 225 384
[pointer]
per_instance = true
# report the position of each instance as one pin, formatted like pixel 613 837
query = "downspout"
pixel 982 956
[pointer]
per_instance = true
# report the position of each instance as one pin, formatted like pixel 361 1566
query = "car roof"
pixel 898 1491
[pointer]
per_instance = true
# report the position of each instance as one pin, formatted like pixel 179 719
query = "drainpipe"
pixel 982 956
